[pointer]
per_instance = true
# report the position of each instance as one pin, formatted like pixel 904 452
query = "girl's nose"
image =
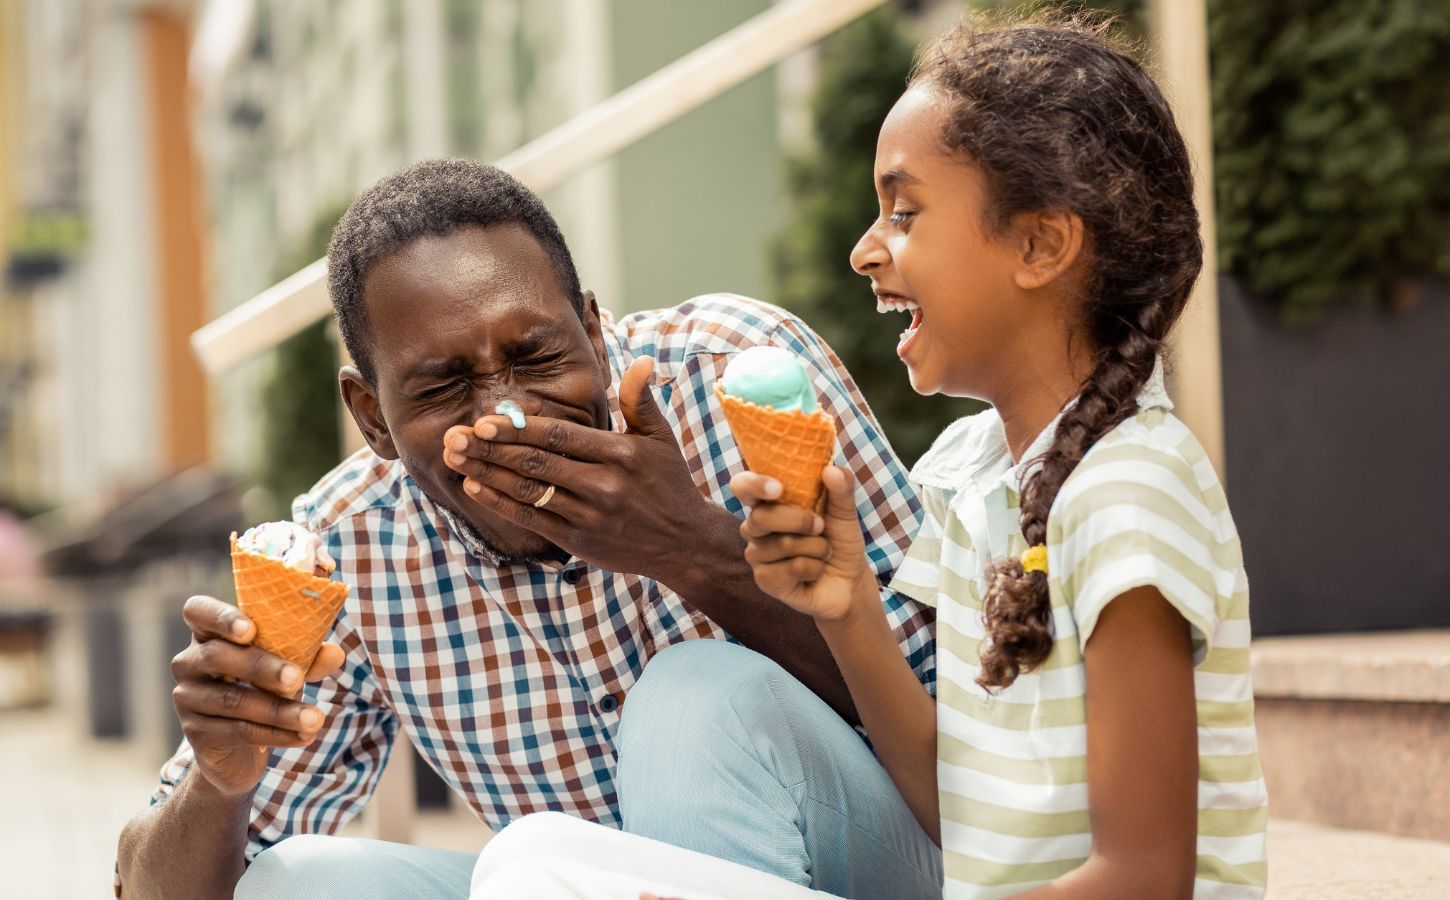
pixel 868 253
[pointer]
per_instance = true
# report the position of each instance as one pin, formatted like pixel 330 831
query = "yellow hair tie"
pixel 1035 559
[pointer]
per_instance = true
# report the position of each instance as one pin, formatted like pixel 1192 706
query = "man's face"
pixel 459 323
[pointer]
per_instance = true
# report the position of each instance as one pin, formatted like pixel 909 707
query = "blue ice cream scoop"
pixel 770 377
pixel 512 410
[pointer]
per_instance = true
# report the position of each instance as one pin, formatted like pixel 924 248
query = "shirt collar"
pixel 986 459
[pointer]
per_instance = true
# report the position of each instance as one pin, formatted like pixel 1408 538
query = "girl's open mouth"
pixel 893 303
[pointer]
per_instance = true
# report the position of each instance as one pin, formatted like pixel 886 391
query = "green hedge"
pixel 1331 125
pixel 301 433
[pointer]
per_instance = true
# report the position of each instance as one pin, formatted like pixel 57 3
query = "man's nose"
pixel 487 399
pixel 869 252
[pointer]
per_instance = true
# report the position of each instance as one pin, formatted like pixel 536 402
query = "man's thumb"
pixel 638 404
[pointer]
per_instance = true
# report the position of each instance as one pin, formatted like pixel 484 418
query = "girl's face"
pixel 929 252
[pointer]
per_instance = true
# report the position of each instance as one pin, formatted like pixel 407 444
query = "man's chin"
pixel 517 547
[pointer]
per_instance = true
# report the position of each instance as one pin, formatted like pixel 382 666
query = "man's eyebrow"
pixel 890 179
pixel 537 338
pixel 438 369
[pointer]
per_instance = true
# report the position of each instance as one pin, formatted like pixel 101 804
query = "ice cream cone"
pixel 293 610
pixel 791 447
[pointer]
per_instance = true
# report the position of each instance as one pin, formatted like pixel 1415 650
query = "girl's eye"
pixel 900 216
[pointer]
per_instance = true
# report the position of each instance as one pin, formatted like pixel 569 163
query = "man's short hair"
pixel 430 198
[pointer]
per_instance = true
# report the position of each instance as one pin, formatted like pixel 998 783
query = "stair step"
pixel 1312 862
pixel 1353 730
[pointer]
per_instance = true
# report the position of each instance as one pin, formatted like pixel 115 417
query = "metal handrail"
pixel 684 85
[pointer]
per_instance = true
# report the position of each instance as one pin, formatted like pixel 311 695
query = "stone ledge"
pixel 1311 862
pixel 1398 666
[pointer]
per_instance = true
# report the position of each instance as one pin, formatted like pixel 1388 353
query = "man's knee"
pixel 290 868
pixel 695 678
pixel 695 701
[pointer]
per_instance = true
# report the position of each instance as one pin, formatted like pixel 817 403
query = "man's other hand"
pixel 235 701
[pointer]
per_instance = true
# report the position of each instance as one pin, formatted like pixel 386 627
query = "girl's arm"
pixel 817 565
pixel 1142 756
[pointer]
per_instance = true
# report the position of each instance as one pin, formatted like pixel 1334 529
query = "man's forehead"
pixel 472 256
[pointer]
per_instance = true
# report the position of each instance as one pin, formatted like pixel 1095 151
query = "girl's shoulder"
pixel 963 447
pixel 1150 460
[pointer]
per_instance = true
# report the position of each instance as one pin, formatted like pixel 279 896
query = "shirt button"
pixel 571 576
pixel 608 703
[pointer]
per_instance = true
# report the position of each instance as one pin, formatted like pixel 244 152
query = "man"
pixel 509 584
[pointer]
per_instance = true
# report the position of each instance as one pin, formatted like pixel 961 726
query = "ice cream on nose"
pixel 512 410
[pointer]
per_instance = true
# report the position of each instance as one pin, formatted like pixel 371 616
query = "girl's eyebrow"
pixel 894 177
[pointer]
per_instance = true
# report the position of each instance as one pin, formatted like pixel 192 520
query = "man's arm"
pixel 190 845
pixel 233 703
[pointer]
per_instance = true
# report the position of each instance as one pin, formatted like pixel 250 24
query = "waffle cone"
pixel 293 610
pixel 791 447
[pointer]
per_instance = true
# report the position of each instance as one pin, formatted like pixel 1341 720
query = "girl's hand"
pixel 812 563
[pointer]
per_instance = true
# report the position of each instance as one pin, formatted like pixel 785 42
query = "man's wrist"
pixel 201 790
pixel 716 553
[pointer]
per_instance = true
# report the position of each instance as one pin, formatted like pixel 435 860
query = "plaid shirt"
pixel 508 678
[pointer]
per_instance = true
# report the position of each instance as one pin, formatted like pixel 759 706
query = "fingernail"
pixel 310 718
pixel 487 431
pixel 290 675
pixel 471 486
pixel 818 526
pixel 455 459
pixel 458 442
pixel 240 626
pixel 772 488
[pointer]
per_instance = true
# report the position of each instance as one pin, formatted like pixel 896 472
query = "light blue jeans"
pixel 720 751
pixel 319 867
pixel 723 752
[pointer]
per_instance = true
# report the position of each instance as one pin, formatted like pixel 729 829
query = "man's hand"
pixel 622 502
pixel 814 564
pixel 235 701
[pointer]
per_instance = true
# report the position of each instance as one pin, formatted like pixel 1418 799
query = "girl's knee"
pixel 534 833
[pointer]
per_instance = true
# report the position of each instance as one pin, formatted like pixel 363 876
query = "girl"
pixel 1093 733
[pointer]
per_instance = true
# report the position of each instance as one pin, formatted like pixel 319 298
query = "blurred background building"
pixel 163 161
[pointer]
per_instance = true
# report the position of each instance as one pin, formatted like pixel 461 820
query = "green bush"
pixel 1331 129
pixel 301 434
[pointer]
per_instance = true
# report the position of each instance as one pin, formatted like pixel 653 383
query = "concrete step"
pixel 1314 862
pixel 1354 730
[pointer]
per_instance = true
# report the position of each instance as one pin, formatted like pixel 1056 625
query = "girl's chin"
pixel 921 382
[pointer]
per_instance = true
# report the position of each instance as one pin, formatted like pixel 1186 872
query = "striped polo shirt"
pixel 1144 507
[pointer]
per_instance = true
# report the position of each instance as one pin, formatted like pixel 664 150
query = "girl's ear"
pixel 1051 242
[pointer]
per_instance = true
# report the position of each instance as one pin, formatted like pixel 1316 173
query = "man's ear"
pixel 362 402
pixel 1051 242
pixel 594 329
